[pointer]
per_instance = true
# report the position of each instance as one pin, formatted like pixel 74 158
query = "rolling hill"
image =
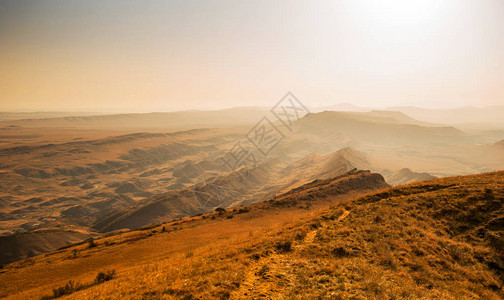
pixel 404 176
pixel 380 129
pixel 250 185
pixel 461 115
pixel 11 116
pixel 182 119
pixel 441 238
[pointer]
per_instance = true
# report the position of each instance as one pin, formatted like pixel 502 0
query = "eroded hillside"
pixel 91 179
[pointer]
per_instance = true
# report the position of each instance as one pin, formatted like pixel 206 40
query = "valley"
pixel 62 184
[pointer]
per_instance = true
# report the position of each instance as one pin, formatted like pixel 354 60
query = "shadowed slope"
pixel 22 245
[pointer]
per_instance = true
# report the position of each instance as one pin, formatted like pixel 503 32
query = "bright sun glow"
pixel 402 12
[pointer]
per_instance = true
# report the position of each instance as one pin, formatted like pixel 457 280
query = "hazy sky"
pixel 171 55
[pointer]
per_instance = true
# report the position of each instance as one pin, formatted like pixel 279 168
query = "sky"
pixel 139 56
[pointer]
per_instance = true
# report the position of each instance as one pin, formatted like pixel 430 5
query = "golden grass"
pixel 438 239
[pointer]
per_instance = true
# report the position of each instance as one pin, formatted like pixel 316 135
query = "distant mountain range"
pixel 180 120
pixel 245 115
pixel 12 116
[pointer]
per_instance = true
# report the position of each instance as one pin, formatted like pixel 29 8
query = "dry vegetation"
pixel 37 276
pixel 435 239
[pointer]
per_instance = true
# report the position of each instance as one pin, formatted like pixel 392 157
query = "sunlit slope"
pixel 136 248
pixel 441 238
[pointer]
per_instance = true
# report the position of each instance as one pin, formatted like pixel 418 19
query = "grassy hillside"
pixel 441 238
pixel 37 276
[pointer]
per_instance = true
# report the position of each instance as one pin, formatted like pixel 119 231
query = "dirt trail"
pixel 269 276
pixel 265 277
pixel 343 215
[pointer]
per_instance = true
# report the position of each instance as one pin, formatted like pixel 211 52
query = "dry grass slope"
pixel 441 239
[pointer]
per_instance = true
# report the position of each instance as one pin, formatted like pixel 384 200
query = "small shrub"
pixel 67 289
pixel 301 235
pixel 489 195
pixel 283 247
pixel 243 210
pixel 105 276
pixel 229 216
pixel 91 243
pixel 315 224
pixel 340 252
pixel 220 209
pixel 222 295
pixel 262 272
pixel 255 256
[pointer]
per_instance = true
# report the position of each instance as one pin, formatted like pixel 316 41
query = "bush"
pixel 105 276
pixel 72 287
pixel 341 252
pixel 262 272
pixel 489 195
pixel 91 243
pixel 300 236
pixel 220 210
pixel 243 210
pixel 283 247
pixel 67 289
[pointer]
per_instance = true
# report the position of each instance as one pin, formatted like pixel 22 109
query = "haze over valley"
pixel 70 178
